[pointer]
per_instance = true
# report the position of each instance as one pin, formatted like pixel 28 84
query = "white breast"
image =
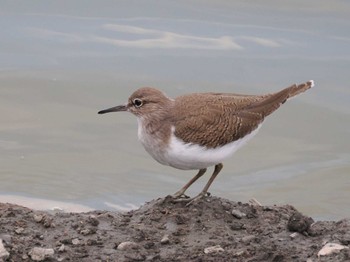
pixel 152 143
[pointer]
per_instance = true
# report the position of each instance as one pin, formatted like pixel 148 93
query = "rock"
pixel 330 248
pixel 165 240
pixel 93 220
pixel 247 239
pixel 240 253
pixel 40 254
pixel 75 241
pixel 294 235
pixel 6 238
pixel 238 214
pixel 127 245
pixel 37 218
pixel 62 248
pixel 85 232
pixel 19 230
pixel 299 223
pixel 57 209
pixel 3 252
pixel 254 202
pixel 108 251
pixel 213 249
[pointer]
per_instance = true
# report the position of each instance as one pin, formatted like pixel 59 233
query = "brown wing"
pixel 215 119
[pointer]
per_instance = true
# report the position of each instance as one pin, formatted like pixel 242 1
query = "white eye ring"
pixel 137 102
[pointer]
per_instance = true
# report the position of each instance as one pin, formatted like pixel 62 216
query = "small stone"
pixel 3 252
pixel 294 235
pixel 93 220
pixel 62 248
pixel 57 209
pixel 85 232
pixel 19 230
pixel 108 251
pixel 299 223
pixel 213 249
pixel 237 226
pixel 75 241
pixel 38 218
pixel 238 214
pixel 248 239
pixel 148 245
pixel 165 240
pixel 127 245
pixel 6 238
pixel 254 202
pixel 240 253
pixel 330 248
pixel 40 254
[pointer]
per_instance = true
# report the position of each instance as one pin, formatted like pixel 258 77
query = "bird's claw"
pixel 188 200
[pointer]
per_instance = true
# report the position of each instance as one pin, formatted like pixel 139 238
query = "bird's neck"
pixel 155 128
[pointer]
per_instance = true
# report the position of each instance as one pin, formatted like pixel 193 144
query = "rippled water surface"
pixel 61 62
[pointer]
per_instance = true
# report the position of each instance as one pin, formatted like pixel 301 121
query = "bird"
pixel 199 130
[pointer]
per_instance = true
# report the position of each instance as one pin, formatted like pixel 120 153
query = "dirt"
pixel 211 229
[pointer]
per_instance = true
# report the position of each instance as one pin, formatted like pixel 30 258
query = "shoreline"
pixel 212 229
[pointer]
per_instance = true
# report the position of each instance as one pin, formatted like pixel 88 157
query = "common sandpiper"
pixel 199 130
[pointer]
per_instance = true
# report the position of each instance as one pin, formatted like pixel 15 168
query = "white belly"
pixel 188 156
pixel 192 156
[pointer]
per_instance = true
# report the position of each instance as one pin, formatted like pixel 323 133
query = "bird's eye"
pixel 137 102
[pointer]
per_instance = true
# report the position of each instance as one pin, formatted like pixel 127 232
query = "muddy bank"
pixel 213 229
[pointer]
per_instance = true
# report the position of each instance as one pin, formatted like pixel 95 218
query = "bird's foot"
pixel 189 200
pixel 180 195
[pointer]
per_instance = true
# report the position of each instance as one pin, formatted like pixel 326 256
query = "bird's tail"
pixel 271 102
pixel 297 89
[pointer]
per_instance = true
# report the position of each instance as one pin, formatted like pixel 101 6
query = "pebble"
pixel 62 248
pixel 38 218
pixel 58 209
pixel 238 214
pixel 248 238
pixel 85 232
pixel 294 235
pixel 127 245
pixel 299 223
pixel 6 238
pixel 213 249
pixel 93 220
pixel 165 240
pixel 109 251
pixel 75 241
pixel 3 252
pixel 19 230
pixel 40 254
pixel 254 202
pixel 330 248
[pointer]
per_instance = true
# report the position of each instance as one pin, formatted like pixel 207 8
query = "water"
pixel 62 62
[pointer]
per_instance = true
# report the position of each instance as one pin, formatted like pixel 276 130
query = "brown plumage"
pixel 227 117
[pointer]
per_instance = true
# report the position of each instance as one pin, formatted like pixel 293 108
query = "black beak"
pixel 114 109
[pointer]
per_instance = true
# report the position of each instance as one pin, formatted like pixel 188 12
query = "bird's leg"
pixel 217 170
pixel 181 192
